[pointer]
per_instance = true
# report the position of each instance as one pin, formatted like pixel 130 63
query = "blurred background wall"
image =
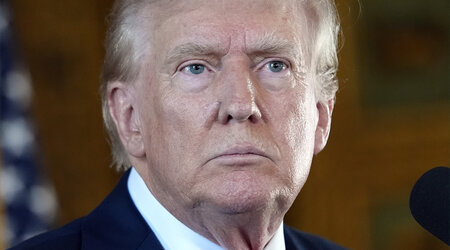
pixel 391 121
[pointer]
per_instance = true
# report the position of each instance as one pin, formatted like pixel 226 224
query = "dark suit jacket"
pixel 117 224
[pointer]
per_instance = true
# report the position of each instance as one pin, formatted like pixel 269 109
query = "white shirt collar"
pixel 167 228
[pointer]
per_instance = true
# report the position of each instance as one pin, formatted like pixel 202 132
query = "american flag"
pixel 28 202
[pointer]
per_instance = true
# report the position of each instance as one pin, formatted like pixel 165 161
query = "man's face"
pixel 225 107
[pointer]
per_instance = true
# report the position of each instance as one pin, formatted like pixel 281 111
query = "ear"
pixel 122 107
pixel 325 111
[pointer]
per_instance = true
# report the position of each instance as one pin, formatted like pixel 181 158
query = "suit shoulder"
pixel 296 239
pixel 67 237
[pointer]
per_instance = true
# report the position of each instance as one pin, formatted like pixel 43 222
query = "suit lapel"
pixel 292 242
pixel 150 242
pixel 117 224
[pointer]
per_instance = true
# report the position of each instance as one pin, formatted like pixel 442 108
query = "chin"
pixel 246 193
pixel 243 203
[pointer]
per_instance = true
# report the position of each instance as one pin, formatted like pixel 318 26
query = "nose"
pixel 237 95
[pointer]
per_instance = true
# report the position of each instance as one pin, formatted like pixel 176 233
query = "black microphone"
pixel 430 202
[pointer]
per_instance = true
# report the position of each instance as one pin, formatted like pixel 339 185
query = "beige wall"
pixel 372 160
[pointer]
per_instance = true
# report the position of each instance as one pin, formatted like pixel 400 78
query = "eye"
pixel 194 69
pixel 276 66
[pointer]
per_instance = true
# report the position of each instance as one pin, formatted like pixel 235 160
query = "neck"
pixel 251 230
pixel 235 226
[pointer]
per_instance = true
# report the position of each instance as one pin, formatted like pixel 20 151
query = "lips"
pixel 241 154
pixel 242 150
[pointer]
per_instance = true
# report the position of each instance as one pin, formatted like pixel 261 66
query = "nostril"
pixel 253 118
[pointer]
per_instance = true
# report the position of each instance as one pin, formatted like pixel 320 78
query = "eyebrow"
pixel 193 49
pixel 268 44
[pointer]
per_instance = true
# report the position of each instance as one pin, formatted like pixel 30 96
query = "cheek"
pixel 178 123
pixel 295 117
pixel 298 133
pixel 182 114
pixel 165 111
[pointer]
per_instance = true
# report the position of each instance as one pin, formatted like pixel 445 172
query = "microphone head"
pixel 430 202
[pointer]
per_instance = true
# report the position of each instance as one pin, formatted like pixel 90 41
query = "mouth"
pixel 240 156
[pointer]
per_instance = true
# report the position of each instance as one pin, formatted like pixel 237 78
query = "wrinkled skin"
pixel 222 122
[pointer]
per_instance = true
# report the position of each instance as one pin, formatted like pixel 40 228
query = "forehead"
pixel 226 24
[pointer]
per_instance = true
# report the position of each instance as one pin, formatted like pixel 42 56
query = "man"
pixel 219 107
